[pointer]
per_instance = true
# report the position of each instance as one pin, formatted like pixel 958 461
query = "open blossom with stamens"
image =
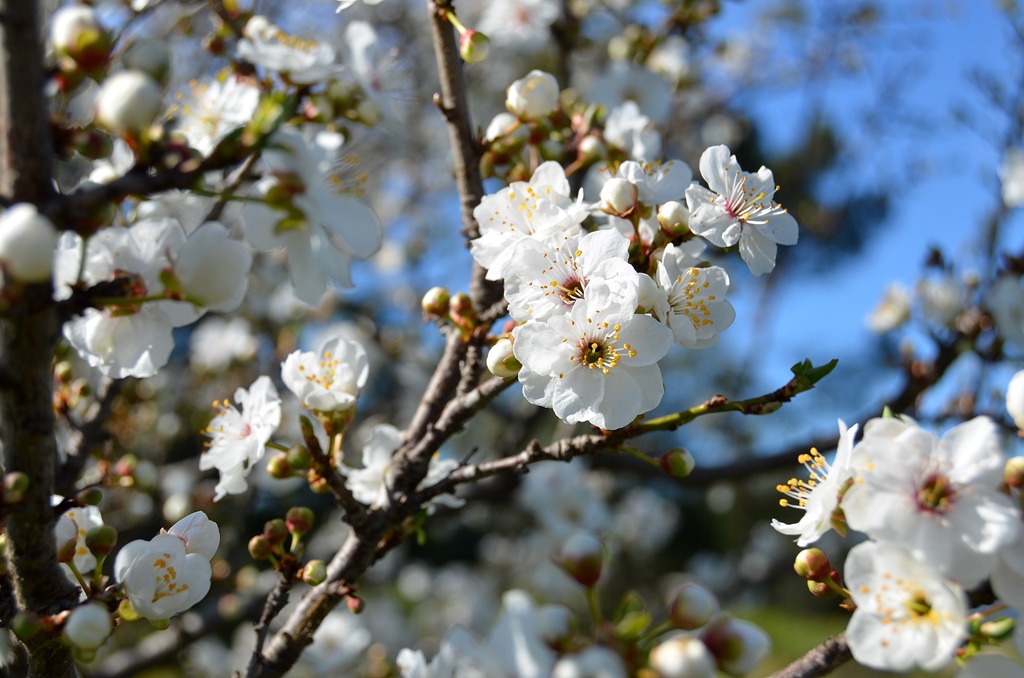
pixel 819 495
pixel 695 307
pixel 598 363
pixel 216 109
pixel 330 380
pixel 83 518
pixel 160 578
pixel 239 438
pixel 939 498
pixel 908 615
pixel 738 208
pixel 302 61
pixel 542 281
pixel 541 209
pixel 329 231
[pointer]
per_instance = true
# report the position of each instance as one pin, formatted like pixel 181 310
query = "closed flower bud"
pixel 76 33
pixel 275 531
pixel 435 301
pixel 27 242
pixel 15 486
pixel 128 102
pixel 1013 473
pixel 812 564
pixel 298 457
pixel 582 557
pixel 88 626
pixel 500 360
pixel 737 645
pixel 618 197
pixel 474 46
pixel 91 496
pixel 674 218
pixel 554 623
pixel 212 269
pixel 1015 399
pixel 101 540
pixel 27 624
pixel 299 520
pixel 533 97
pixel 677 462
pixel 355 605
pixel 314 573
pixel 592 149
pixel 504 132
pixel 462 312
pixel 152 57
pixel 278 467
pixel 683 657
pixel 260 547
pixel 692 607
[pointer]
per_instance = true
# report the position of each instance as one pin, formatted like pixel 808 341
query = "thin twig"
pixel 819 661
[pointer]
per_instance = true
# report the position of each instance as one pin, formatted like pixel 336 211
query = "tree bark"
pixel 28 336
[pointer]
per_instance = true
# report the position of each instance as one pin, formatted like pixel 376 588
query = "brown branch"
pixel 276 602
pixel 819 661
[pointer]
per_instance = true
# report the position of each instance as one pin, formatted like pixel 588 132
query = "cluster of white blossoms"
pixel 939 520
pixel 597 301
pixel 328 382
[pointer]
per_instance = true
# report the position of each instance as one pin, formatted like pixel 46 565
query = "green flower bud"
pixel 677 462
pixel 474 46
pixel 812 564
pixel 315 572
pixel 101 540
pixel 259 547
pixel 299 520
pixel 275 531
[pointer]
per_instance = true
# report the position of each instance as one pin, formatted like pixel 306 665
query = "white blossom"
pixel 542 281
pixel 366 483
pixel 595 661
pixel 598 363
pixel 218 342
pixel 239 437
pixel 1015 399
pixel 212 269
pixel 627 81
pixel 128 102
pixel 88 626
pixel 301 61
pixel 198 533
pixel 330 379
pixel 335 228
pixel 632 131
pixel 694 306
pixel 215 109
pixel 892 311
pixel 1011 177
pixel 938 498
pixel 908 615
pixel 83 518
pixel 533 97
pixel 160 578
pixel 524 25
pixel 819 495
pixel 739 208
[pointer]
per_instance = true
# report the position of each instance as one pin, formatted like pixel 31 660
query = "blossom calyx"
pixel 1013 472
pixel 533 97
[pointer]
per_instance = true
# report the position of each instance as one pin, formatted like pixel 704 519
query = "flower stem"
pixel 594 606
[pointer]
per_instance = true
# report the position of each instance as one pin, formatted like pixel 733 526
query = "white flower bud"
pixel 88 626
pixel 1015 399
pixel 738 645
pixel 582 556
pixel 683 657
pixel 673 215
pixel 500 360
pixel 618 196
pixel 692 606
pixel 592 149
pixel 76 32
pixel 534 96
pixel 128 102
pixel 554 622
pixel 152 57
pixel 212 269
pixel 27 242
